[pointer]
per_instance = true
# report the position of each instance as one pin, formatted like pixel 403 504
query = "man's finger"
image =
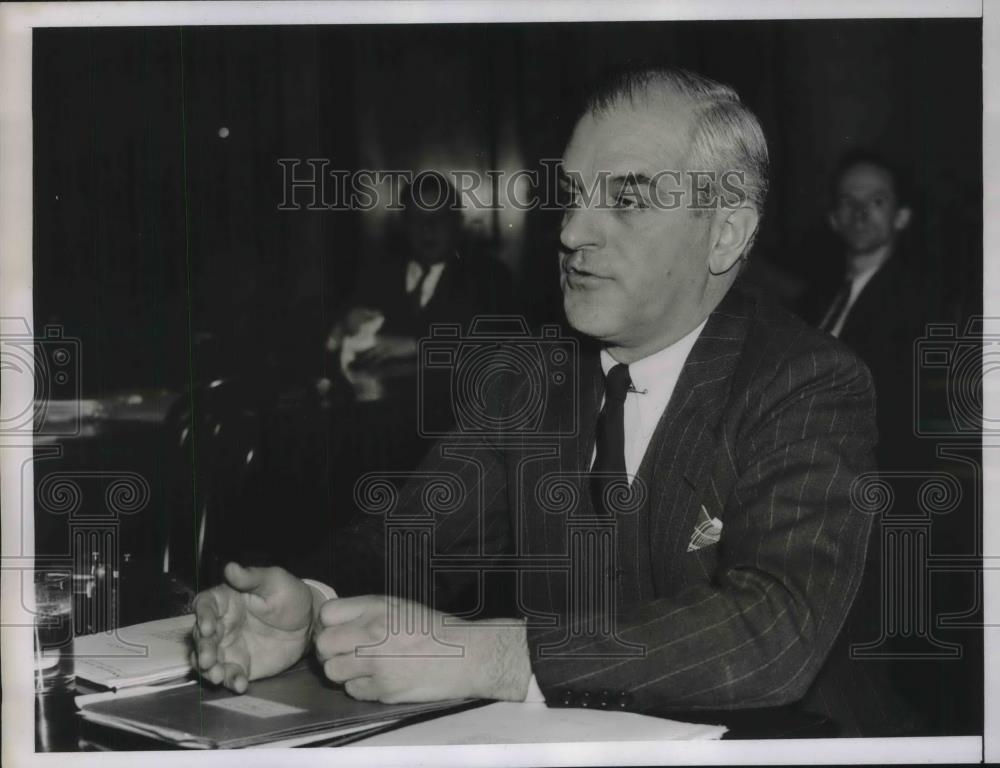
pixel 235 677
pixel 347 609
pixel 203 673
pixel 242 579
pixel 207 656
pixel 207 651
pixel 216 674
pixel 346 666
pixel 362 688
pixel 206 612
pixel 343 638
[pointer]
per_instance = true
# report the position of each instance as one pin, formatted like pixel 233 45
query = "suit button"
pixel 623 700
pixel 566 698
pixel 585 699
pixel 605 699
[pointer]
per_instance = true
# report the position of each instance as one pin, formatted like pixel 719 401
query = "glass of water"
pixel 53 631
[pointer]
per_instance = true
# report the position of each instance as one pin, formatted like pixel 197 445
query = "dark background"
pixel 160 245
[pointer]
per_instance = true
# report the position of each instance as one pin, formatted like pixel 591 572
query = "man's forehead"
pixel 866 178
pixel 645 138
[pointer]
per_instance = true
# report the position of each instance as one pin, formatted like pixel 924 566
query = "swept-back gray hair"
pixel 725 134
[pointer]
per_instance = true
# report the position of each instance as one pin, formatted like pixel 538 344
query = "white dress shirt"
pixel 415 271
pixel 653 381
pixel 859 275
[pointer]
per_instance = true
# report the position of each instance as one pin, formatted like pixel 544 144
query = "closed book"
pixel 294 705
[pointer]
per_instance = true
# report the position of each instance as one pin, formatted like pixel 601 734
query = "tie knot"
pixel 617 383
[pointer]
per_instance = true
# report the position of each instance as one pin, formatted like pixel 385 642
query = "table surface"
pixel 58 728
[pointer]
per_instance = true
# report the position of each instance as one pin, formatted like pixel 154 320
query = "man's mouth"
pixel 581 278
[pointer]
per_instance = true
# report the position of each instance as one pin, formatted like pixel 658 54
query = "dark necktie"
pixel 609 466
pixel 837 307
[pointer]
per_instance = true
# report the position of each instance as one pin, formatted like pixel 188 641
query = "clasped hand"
pixel 261 621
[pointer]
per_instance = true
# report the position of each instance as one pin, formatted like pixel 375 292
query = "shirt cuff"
pixel 534 695
pixel 326 592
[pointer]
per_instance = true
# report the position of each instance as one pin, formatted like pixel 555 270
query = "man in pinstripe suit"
pixel 713 552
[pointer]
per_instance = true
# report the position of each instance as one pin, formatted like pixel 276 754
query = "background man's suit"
pixel 882 326
pixel 768 428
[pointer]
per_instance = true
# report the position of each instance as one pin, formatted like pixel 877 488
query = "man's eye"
pixel 630 202
pixel 568 197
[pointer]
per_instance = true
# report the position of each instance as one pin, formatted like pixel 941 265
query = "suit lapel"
pixel 871 302
pixel 681 451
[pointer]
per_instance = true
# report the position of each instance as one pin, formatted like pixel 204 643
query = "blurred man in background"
pixel 878 307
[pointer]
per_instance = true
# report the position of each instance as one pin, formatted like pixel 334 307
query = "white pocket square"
pixel 706 533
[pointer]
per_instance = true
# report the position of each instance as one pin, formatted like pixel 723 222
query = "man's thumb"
pixel 244 579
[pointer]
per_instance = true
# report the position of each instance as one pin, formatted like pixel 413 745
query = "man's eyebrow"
pixel 632 178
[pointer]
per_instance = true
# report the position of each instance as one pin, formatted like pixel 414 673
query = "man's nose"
pixel 580 229
pixel 860 212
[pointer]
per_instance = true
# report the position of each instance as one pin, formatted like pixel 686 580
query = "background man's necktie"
pixel 837 308
pixel 610 461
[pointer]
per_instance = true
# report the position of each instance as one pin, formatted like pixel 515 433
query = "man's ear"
pixel 902 220
pixel 834 223
pixel 732 231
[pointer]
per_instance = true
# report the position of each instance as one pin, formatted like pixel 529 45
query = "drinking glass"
pixel 53 632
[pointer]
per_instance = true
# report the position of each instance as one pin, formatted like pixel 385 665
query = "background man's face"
pixel 632 273
pixel 866 214
pixel 431 234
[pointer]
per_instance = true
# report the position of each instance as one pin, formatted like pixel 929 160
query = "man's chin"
pixel 588 321
pixel 865 247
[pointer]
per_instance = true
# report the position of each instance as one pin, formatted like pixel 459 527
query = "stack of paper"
pixel 295 707
pixel 137 655
pixel 506 723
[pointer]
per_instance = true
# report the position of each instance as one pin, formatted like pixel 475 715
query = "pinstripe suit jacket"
pixel 768 426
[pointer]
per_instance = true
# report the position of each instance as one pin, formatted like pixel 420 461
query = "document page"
pixel 135 655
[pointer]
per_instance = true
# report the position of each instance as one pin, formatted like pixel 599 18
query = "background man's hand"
pixel 433 657
pixel 358 318
pixel 388 348
pixel 356 321
pixel 256 624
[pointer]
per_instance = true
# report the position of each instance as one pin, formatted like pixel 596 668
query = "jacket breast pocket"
pixel 700 557
pixel 699 565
